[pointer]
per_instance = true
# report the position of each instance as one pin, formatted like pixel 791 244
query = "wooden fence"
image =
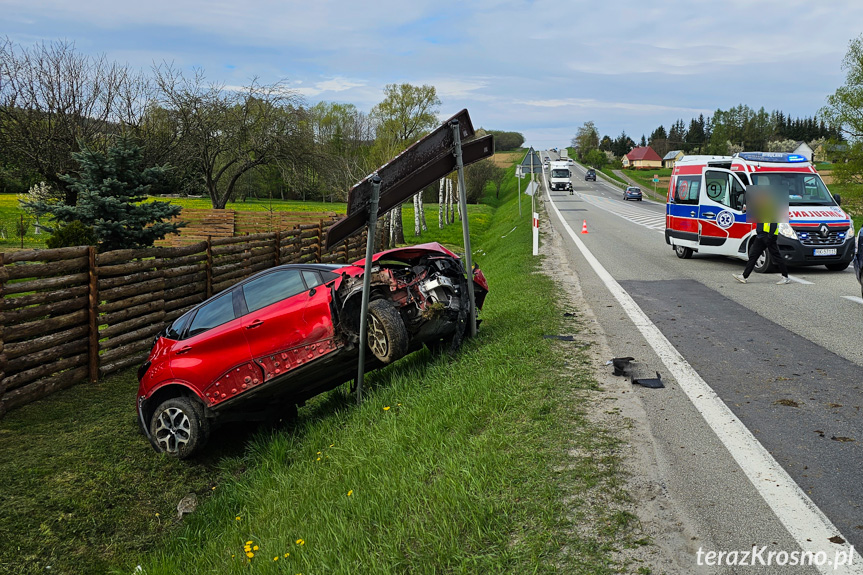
pixel 201 223
pixel 70 315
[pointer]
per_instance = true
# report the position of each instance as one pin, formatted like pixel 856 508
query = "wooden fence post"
pixel 209 293
pixel 93 312
pixel 278 259
pixel 2 334
pixel 320 241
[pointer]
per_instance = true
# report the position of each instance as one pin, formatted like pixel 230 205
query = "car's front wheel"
pixel 178 427
pixel 387 334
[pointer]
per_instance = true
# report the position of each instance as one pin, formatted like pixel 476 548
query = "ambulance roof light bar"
pixel 776 157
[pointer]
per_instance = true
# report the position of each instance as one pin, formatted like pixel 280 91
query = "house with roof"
pixel 669 159
pixel 642 158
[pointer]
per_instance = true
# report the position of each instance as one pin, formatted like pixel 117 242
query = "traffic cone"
pixel 584 227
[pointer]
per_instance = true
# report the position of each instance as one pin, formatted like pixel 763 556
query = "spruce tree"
pixel 111 189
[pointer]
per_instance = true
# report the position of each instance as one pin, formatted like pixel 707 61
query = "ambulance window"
pixel 716 186
pixel 738 194
pixel 686 191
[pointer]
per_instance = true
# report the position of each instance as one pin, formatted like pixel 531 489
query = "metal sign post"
pixel 518 177
pixel 367 280
pixel 465 228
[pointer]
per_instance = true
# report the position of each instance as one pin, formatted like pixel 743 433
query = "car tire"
pixel 683 252
pixel 387 334
pixel 179 428
pixel 837 267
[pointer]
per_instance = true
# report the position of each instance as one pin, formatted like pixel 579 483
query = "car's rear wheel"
pixel 837 267
pixel 387 334
pixel 682 252
pixel 178 427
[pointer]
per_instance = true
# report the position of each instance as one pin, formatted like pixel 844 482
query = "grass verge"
pixel 452 464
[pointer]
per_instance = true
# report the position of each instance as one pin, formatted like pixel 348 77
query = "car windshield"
pixel 560 173
pixel 803 189
pixel 634 190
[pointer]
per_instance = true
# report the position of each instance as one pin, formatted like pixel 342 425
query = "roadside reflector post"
pixel 465 227
pixel 367 281
pixel 535 234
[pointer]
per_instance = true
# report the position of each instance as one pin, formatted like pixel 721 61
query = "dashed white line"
pixel 806 523
pixel 853 298
pixel 800 280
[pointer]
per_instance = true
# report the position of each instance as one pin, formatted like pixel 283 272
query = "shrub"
pixel 72 234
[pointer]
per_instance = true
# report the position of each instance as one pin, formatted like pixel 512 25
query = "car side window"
pixel 272 287
pixel 215 313
pixel 312 278
pixel 686 190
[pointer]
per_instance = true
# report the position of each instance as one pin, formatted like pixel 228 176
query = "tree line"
pixel 59 106
pixel 725 132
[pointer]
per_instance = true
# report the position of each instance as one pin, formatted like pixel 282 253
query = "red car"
pixel 289 333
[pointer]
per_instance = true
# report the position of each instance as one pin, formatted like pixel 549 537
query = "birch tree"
pixel 441 207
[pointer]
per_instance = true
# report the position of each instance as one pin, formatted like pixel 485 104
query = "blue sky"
pixel 542 67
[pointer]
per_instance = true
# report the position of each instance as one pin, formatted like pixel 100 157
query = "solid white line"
pixel 800 516
pixel 800 280
pixel 853 298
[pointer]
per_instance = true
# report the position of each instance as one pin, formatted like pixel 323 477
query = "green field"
pixel 451 465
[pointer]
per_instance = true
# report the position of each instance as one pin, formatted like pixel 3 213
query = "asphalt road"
pixel 786 359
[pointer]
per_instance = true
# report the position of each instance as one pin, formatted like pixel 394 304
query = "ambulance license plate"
pixel 825 251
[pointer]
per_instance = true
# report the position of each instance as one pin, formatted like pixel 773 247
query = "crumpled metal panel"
pixel 232 383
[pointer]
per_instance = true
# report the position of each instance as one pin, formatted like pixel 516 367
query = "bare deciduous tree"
pixel 53 100
pixel 224 133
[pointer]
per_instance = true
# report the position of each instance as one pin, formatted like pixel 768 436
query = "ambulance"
pixel 704 210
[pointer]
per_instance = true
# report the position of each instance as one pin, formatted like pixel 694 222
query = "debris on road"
pixel 652 383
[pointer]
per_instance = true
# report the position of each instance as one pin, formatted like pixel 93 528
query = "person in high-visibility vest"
pixel 766 235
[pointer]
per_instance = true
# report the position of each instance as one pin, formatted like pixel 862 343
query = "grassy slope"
pixel 460 474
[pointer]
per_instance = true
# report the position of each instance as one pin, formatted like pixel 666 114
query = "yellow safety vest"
pixel 766 227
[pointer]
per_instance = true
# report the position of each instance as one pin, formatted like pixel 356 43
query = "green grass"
pixel 10 214
pixel 261 205
pixel 469 470
pixel 852 200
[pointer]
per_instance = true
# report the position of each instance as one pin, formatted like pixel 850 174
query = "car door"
pixel 719 211
pixel 213 356
pixel 682 210
pixel 286 322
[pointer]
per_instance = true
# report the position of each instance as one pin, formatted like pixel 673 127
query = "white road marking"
pixel 853 298
pixel 806 523
pixel 800 280
pixel 619 208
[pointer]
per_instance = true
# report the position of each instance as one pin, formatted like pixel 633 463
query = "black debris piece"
pixel 559 337
pixel 621 365
pixel 652 383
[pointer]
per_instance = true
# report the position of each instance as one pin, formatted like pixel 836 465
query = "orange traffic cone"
pixel 584 227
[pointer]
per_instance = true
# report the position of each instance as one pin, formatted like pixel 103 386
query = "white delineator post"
pixel 535 234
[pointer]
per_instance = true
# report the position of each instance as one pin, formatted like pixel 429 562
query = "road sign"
pixel 531 188
pixel 655 178
pixel 531 163
pixel 420 165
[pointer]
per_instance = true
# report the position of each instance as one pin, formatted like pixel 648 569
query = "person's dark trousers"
pixel 768 242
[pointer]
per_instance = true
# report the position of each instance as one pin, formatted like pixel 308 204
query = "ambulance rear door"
pixel 721 220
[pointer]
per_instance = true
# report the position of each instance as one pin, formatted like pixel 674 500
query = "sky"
pixel 538 67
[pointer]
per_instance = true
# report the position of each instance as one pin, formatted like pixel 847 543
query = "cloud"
pixel 597 105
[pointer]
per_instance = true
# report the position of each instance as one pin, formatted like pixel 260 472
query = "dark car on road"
pixel 269 343
pixel 590 175
pixel 632 193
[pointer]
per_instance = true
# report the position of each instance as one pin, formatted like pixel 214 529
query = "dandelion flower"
pixel 255 548
pixel 276 558
pixel 214 487
pixel 300 542
pixel 287 555
pixel 237 518
pixel 318 459
pixel 157 514
pixel 319 452
pixel 332 444
pixel 387 408
pixel 249 542
pixel 250 554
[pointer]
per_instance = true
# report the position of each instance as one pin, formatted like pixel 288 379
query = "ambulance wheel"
pixel 837 267
pixel 682 252
pixel 764 263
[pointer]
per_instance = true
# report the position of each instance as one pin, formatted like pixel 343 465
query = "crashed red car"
pixel 289 333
